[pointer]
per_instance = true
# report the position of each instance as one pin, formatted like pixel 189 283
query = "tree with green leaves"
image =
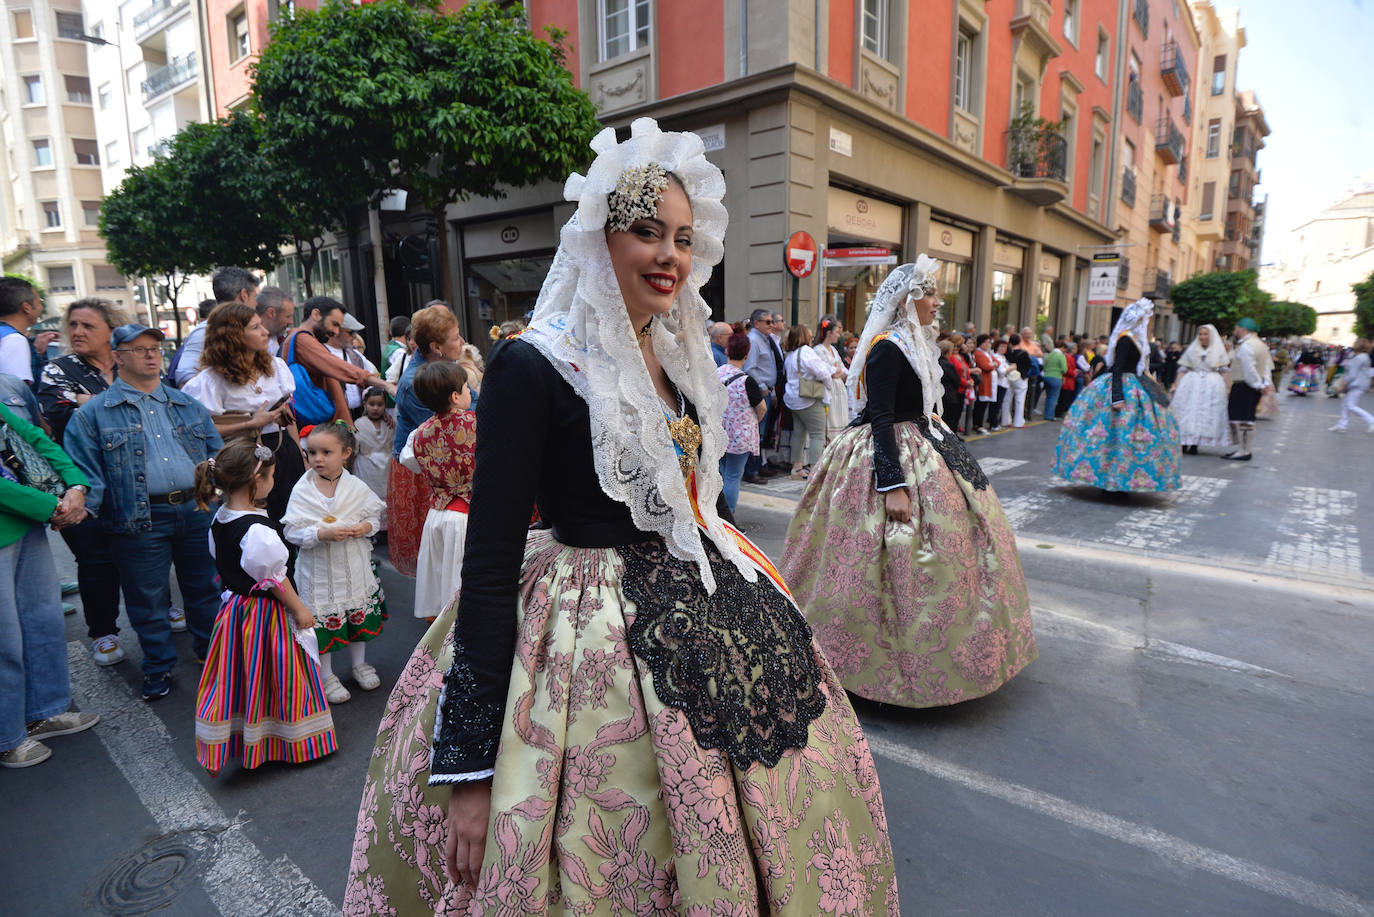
pixel 1284 319
pixel 442 105
pixel 1221 298
pixel 1364 307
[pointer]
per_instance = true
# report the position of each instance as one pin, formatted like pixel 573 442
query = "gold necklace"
pixel 643 333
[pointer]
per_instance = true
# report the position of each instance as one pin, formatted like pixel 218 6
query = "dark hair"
pixel 325 304
pixel 824 328
pixel 374 392
pixel 205 307
pixel 758 314
pixel 339 430
pixel 14 292
pixel 400 325
pixel 436 381
pixel 737 347
pixel 236 465
pixel 1014 340
pixel 978 341
pixel 229 282
pixel 225 350
pixel 270 298
pixel 1000 342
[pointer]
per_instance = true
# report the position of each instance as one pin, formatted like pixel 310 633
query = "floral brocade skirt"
pixel 603 800
pixel 1135 449
pixel 407 504
pixel 919 614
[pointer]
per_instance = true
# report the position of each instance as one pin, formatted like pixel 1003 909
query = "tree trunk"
pixel 173 292
pixel 308 262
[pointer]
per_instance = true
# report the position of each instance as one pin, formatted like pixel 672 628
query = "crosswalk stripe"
pixel 1317 532
pixel 1164 528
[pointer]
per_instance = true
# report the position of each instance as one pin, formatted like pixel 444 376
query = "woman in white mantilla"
pixel 1199 392
pixel 900 554
pixel 584 764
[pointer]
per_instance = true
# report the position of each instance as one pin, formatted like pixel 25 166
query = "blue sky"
pixel 1312 65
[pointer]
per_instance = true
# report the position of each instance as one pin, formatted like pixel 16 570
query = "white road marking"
pixel 1317 532
pixel 1022 508
pixel 1276 882
pixel 240 881
pixel 1167 526
pixel 992 465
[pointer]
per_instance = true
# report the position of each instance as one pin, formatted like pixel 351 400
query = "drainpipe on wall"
pixel 374 235
pixel 743 38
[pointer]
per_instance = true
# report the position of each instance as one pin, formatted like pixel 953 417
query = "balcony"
pixel 1161 213
pixel 1168 141
pixel 1183 171
pixel 1135 101
pixel 156 15
pixel 1141 15
pixel 1157 285
pixel 1187 110
pixel 1173 69
pixel 1128 187
pixel 1178 229
pixel 1123 273
pixel 1037 160
pixel 164 79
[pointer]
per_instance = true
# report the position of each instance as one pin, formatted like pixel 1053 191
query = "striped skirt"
pixel 261 695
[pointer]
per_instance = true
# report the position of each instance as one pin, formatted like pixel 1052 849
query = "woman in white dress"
pixel 837 416
pixel 1199 392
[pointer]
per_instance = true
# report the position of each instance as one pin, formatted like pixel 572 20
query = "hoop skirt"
pixel 1135 449
pixel 604 802
pixel 1199 405
pixel 918 614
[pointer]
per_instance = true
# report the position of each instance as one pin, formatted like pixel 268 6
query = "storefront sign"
pixel 1049 266
pixel 713 137
pixel 799 254
pixel 851 214
pixel 951 241
pixel 857 257
pixel 1012 257
pixel 1102 278
pixel 841 143
pixel 510 235
pixel 505 236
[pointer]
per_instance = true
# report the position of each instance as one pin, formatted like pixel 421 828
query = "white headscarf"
pixel 892 313
pixel 581 326
pixel 1134 321
pixel 1213 356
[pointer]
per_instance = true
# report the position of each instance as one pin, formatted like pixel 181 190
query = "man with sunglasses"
pixel 762 365
pixel 139 442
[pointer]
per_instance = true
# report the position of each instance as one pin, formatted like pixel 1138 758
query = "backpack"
pixel 310 403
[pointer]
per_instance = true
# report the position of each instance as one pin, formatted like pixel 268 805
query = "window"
pixel 238 35
pixel 1209 196
pixel 107 278
pixel 42 153
pixel 141 142
pixel 1128 156
pixel 1104 52
pixel 87 152
pixel 23 24
pixel 33 90
pixel 875 26
pixel 1071 20
pixel 103 94
pixel 1218 74
pixel 624 27
pixel 963 71
pixel 61 279
pixel 90 215
pixel 52 217
pixel 70 25
pixel 1095 174
pixel 1233 189
pixel 78 89
pixel 1133 71
pixel 1023 95
pixel 1214 138
pixel 111 153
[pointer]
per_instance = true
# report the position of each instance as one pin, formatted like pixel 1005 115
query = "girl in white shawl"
pixel 1199 392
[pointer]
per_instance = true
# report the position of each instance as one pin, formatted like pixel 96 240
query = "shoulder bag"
pixel 810 389
pixel 310 403
pixel 28 464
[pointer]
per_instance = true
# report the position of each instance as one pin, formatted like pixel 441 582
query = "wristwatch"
pixel 85 491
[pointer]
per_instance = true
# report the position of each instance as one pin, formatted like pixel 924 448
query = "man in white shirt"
pixel 20 308
pixel 1251 375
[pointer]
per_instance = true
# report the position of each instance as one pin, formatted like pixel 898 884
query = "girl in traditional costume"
pixel 671 740
pixel 900 553
pixel 1199 392
pixel 331 516
pixel 261 695
pixel 376 430
pixel 1119 434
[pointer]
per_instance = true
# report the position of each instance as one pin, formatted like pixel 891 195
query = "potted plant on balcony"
pixel 1035 145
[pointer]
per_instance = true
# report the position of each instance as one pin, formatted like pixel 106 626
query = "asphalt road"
pixel 1195 738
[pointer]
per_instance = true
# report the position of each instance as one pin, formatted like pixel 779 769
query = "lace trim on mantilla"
pixel 737 662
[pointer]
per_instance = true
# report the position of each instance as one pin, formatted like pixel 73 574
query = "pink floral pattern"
pixel 1133 449
pixel 617 811
pixel 923 614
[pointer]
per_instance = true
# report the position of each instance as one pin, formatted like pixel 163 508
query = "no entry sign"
pixel 800 254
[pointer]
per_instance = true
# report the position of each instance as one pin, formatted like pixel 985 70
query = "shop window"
pixel 23 24
pixel 875 19
pixel 1047 294
pixel 33 90
pixel 62 279
pixel 954 281
pixel 70 25
pixel 87 152
pixel 1006 293
pixel 624 26
pixel 42 153
pixel 52 215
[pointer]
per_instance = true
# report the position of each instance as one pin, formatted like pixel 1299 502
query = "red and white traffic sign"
pixel 800 254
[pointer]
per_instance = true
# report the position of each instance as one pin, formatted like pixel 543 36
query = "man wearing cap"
pixel 324 318
pixel 139 442
pixel 342 345
pixel 1251 374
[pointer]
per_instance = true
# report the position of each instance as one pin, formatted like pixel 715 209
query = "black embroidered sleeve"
pixel 512 433
pixel 882 372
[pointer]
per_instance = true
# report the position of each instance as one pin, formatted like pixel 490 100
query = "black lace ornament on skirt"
pixel 738 663
pixel 956 455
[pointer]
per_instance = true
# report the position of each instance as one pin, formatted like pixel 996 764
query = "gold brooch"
pixel 687 435
pixel 330 519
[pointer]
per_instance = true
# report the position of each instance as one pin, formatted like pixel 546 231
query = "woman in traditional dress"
pixel 1119 434
pixel 900 554
pixel 1199 392
pixel 622 784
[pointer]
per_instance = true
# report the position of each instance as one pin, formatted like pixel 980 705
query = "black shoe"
pixel 155 686
pixel 768 472
pixel 753 479
pixel 1237 458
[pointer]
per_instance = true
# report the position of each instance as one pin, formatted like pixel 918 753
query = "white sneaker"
pixel 335 691
pixel 1338 428
pixel 366 677
pixel 106 650
pixel 178 619
pixel 26 754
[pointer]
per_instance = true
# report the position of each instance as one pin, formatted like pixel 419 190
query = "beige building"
pixel 51 171
pixel 1244 218
pixel 1323 258
pixel 1222 39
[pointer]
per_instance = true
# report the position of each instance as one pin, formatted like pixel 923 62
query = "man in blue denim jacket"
pixel 139 442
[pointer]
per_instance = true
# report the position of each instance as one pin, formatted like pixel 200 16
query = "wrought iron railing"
pixel 1141 15
pixel 1123 273
pixel 1128 187
pixel 1135 101
pixel 1174 69
pixel 1036 153
pixel 1168 140
pixel 1157 284
pixel 163 79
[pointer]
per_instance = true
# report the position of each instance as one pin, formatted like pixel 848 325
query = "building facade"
pixel 52 165
pixel 1240 245
pixel 1222 39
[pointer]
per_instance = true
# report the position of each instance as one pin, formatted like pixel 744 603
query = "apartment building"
pixel 1222 39
pixel 235 31
pixel 1244 217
